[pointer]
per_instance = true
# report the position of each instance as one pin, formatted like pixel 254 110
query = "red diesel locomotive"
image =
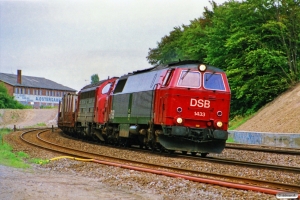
pixel 181 106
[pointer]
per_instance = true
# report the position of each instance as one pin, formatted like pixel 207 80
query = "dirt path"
pixel 36 184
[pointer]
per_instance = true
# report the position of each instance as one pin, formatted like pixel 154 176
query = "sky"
pixel 67 41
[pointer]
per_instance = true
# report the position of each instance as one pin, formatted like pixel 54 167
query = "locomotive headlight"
pixel 201 67
pixel 219 124
pixel 179 120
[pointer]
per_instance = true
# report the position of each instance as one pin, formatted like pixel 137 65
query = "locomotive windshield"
pixel 189 79
pixel 213 81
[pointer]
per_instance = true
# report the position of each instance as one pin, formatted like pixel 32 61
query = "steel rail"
pixel 268 149
pixel 252 164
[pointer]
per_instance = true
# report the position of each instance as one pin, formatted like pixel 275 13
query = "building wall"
pixel 38 97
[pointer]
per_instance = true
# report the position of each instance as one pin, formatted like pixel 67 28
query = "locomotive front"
pixel 192 107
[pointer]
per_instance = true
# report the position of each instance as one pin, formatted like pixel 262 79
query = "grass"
pixel 230 140
pixel 42 124
pixel 15 159
pixel 238 121
pixel 46 107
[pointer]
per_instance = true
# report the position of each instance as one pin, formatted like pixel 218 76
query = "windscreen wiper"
pixel 210 76
pixel 185 74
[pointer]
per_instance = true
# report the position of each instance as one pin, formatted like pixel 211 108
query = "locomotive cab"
pixel 192 107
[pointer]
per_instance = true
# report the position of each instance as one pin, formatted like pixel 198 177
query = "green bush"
pixel 7 101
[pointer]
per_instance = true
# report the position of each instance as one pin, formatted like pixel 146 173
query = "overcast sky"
pixel 68 41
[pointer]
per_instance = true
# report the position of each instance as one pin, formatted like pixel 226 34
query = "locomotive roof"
pixel 180 64
pixel 92 86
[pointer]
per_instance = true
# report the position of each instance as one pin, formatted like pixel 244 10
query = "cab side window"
pixel 167 78
pixel 106 88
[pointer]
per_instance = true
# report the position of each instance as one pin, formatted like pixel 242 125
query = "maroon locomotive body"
pixel 182 106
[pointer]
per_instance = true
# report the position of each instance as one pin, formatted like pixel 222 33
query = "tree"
pixel 251 42
pixel 255 41
pixel 168 49
pixel 94 78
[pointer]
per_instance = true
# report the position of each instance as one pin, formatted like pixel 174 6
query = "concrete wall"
pixel 290 140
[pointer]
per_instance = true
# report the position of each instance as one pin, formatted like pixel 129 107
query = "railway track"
pixel 261 148
pixel 36 138
pixel 221 160
pixel 251 164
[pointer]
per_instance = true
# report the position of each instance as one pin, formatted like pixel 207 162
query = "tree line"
pixel 256 42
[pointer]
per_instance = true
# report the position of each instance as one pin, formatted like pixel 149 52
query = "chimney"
pixel 19 79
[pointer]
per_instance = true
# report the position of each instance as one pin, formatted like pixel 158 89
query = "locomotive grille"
pixel 141 104
pixel 120 105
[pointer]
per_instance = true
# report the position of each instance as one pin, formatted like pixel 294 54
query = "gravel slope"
pixel 279 116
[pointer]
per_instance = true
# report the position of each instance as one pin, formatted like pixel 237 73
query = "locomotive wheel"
pixel 203 155
pixel 171 151
pixel 193 153
pixel 184 152
pixel 95 138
